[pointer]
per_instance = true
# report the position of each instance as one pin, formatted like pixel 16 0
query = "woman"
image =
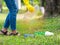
pixel 11 18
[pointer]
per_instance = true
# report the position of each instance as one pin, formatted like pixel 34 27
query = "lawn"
pixel 31 26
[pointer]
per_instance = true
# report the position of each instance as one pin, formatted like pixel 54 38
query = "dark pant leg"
pixel 11 20
pixel 6 25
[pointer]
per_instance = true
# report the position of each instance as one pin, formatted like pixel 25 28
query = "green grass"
pixel 23 27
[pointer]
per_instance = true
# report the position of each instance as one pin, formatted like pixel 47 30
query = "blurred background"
pixel 46 17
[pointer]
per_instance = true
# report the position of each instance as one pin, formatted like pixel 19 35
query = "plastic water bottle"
pixel 29 35
pixel 39 33
pixel 47 33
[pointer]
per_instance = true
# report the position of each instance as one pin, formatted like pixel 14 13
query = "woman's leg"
pixel 6 24
pixel 11 18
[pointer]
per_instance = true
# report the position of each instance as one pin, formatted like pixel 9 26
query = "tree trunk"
pixel 52 8
pixel 0 6
pixel 58 6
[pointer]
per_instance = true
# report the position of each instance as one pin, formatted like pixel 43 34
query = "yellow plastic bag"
pixel 29 6
pixel 26 2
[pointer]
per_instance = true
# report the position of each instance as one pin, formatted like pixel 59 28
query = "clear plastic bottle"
pixel 47 33
pixel 29 35
pixel 39 33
